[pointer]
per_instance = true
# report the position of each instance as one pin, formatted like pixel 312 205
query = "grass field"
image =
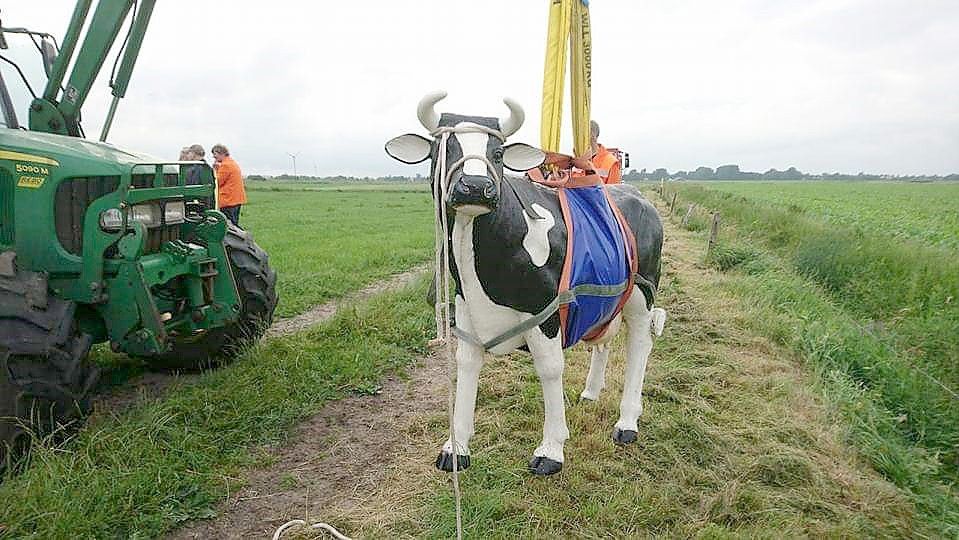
pixel 326 243
pixel 881 316
pixel 420 186
pixel 733 444
pixel 779 402
pixel 196 437
pixel 928 212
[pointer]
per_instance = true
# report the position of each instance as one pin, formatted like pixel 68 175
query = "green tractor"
pixel 101 244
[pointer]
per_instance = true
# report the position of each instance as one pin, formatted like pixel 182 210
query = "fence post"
pixel 689 213
pixel 713 233
pixel 672 204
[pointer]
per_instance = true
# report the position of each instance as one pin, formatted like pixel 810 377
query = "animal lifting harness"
pixel 599 268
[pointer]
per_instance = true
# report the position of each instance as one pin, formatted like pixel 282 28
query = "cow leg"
pixel 639 343
pixel 596 380
pixel 548 361
pixel 469 360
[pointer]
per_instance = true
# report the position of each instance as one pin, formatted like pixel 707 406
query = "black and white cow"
pixel 506 267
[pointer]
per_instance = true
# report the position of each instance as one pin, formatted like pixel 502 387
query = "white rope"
pixel 300 523
pixel 444 333
pixel 441 279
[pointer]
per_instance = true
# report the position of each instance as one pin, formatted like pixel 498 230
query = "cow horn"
pixel 425 111
pixel 512 124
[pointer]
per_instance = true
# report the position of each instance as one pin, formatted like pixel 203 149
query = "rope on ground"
pixel 298 523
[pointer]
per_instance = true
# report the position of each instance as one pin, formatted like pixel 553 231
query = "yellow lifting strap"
pixel 568 19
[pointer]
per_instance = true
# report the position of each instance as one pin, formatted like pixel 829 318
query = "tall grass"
pixel 880 315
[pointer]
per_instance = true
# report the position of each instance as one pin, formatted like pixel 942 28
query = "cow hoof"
pixel 624 436
pixel 543 466
pixel 444 462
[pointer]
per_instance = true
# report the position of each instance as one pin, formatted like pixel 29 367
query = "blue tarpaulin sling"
pixel 597 268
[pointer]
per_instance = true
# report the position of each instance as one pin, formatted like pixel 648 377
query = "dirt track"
pixel 153 384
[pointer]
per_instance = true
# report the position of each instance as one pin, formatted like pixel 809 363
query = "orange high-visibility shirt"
pixel 608 166
pixel 229 181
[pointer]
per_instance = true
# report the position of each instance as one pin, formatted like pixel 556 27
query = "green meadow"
pixel 868 310
pixel 928 212
pixel 801 389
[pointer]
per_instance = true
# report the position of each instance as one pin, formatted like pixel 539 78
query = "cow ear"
pixel 410 148
pixel 522 157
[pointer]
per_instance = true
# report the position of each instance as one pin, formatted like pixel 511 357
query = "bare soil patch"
pixel 333 458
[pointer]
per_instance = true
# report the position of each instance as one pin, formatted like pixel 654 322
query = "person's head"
pixel 593 131
pixel 196 152
pixel 219 152
pixel 185 154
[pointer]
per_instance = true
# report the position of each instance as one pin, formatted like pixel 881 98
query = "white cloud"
pixel 837 85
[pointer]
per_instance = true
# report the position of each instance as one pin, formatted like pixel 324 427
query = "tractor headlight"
pixel 174 212
pixel 111 220
pixel 147 214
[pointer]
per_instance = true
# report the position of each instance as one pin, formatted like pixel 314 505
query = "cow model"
pixel 507 245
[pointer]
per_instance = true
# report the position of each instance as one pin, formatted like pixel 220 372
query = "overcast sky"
pixel 822 85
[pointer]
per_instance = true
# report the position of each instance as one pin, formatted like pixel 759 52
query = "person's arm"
pixel 615 173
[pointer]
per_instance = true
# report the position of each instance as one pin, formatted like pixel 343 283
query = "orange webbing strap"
pixel 568 261
pixel 561 169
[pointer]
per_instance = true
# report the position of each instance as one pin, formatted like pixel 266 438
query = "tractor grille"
pixel 158 236
pixel 6 207
pixel 74 197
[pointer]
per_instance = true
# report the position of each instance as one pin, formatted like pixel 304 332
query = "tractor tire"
pixel 256 284
pixel 14 438
pixel 45 391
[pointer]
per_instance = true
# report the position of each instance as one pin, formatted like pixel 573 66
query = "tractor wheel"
pixel 256 284
pixel 14 439
pixel 43 393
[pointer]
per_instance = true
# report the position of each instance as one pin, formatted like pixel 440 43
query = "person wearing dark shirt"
pixel 194 172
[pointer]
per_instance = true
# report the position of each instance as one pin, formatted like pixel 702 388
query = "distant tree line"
pixel 732 172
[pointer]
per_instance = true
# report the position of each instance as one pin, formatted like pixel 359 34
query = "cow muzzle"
pixel 473 195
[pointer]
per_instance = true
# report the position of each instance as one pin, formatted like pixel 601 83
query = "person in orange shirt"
pixel 229 180
pixel 606 163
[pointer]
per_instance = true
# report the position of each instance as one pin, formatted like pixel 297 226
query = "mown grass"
pixel 166 461
pixel 732 444
pixel 858 309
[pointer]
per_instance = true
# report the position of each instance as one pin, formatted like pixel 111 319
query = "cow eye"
pixel 498 156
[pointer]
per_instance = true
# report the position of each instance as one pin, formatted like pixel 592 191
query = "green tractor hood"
pixel 69 152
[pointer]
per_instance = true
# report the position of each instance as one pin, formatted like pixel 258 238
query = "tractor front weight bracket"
pixel 140 323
